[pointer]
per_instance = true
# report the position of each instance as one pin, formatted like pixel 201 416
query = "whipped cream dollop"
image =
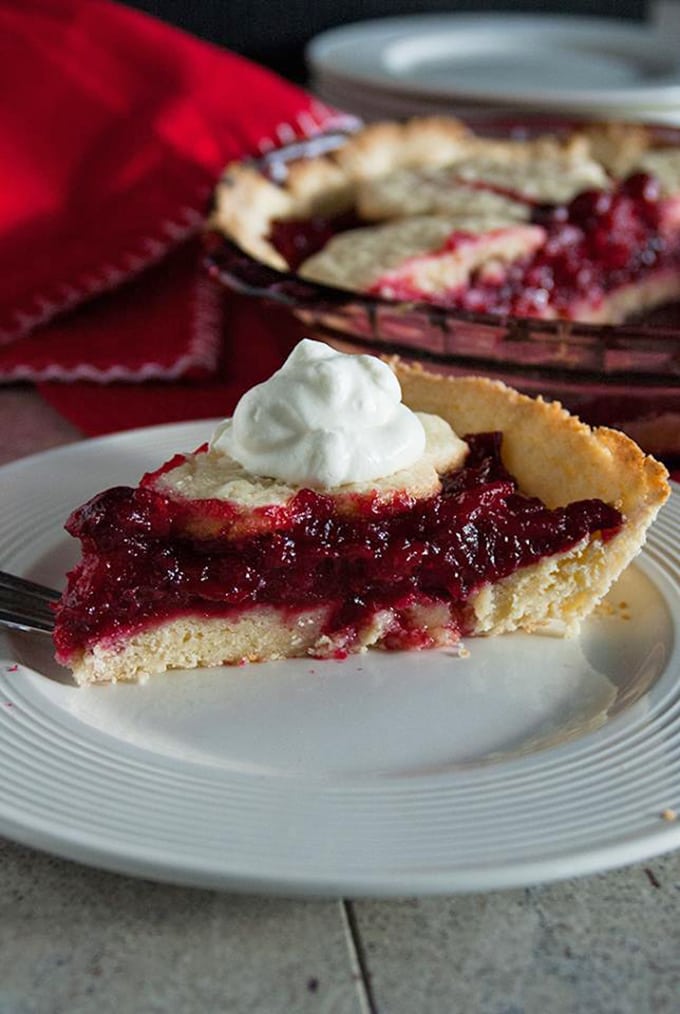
pixel 323 420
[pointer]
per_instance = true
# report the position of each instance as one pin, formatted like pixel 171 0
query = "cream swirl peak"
pixel 324 419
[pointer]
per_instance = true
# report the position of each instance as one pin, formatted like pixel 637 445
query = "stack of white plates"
pixel 464 64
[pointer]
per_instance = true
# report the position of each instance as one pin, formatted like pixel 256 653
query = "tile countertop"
pixel 77 940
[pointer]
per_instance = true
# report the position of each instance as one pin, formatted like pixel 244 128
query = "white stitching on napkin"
pixel 333 119
pixel 285 133
pixel 315 120
pixel 206 324
pixel 203 350
pixel 151 249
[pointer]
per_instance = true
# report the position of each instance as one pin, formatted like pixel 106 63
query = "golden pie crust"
pixel 553 456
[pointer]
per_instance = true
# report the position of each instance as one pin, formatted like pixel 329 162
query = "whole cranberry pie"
pixel 581 225
pixel 344 517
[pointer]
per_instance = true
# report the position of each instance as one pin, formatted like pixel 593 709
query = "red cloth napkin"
pixel 165 322
pixel 256 341
pixel 116 131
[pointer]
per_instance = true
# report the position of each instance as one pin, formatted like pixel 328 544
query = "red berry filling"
pixel 297 239
pixel 140 566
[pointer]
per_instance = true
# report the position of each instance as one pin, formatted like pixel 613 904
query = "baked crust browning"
pixel 551 453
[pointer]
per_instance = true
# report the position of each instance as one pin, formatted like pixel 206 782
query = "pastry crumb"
pixel 622 610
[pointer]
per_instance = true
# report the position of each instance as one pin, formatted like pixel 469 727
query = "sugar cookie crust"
pixel 214 475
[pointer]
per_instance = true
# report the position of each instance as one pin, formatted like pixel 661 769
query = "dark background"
pixel 274 32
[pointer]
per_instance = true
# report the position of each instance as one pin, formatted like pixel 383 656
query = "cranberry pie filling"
pixel 140 566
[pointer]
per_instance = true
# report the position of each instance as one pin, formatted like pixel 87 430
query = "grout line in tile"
pixel 358 959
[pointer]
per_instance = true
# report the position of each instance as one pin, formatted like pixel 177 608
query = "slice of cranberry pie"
pixel 329 516
pixel 581 225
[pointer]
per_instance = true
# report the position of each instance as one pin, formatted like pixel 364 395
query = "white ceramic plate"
pixel 551 62
pixel 534 758
pixel 372 104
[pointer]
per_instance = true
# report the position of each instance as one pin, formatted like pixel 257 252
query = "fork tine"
pixel 26 602
pixel 26 605
pixel 26 620
pixel 11 583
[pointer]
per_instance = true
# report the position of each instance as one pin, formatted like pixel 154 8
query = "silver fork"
pixel 25 605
